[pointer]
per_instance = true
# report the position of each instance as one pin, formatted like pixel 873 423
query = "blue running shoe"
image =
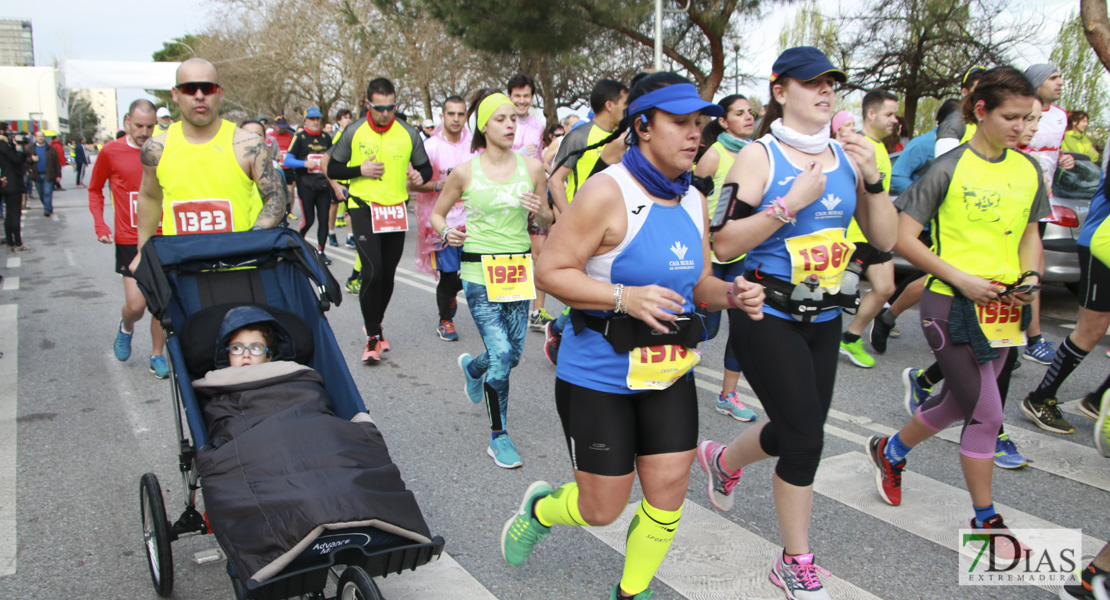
pixel 159 366
pixel 503 452
pixel 473 384
pixel 1042 353
pixel 730 404
pixel 1006 454
pixel 446 331
pixel 122 346
pixel 916 395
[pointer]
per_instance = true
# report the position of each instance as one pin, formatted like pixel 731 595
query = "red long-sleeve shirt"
pixel 117 163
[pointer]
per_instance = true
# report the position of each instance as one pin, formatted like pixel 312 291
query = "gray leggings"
pixel 970 390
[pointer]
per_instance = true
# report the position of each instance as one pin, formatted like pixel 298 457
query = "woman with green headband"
pixel 499 189
pixel 631 258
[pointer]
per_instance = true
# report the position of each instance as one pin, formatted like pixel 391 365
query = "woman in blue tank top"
pixel 631 256
pixel 800 190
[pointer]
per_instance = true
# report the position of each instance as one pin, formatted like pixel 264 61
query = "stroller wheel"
pixel 156 534
pixel 356 584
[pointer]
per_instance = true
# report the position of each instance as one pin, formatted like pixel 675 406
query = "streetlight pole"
pixel 736 64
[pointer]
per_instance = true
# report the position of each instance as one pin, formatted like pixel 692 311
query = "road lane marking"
pixel 9 388
pixel 930 509
pixel 14 262
pixel 11 284
pixel 706 543
pixel 418 280
pixel 443 578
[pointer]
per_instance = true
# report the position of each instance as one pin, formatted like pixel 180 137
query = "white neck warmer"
pixel 810 144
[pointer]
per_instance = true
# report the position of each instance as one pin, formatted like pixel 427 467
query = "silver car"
pixel 1072 191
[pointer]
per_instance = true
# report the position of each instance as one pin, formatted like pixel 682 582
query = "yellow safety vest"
pixel 882 161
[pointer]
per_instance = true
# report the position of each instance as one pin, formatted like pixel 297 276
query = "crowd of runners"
pixel 649 221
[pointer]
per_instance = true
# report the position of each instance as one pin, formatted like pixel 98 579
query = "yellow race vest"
pixel 724 164
pixel 204 190
pixel 394 148
pixel 585 164
pixel 882 161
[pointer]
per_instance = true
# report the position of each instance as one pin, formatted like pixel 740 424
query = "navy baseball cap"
pixel 804 63
pixel 313 113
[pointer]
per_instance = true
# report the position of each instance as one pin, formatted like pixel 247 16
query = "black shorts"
pixel 870 255
pixel 1093 274
pixel 606 432
pixel 125 253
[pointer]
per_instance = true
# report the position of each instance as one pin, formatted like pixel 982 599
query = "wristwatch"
pixel 877 187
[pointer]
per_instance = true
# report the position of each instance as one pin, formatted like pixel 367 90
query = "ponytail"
pixel 772 112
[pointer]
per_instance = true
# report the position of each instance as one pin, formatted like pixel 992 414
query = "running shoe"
pixel 916 394
pixel 888 477
pixel 1084 589
pixel 857 354
pixel 615 594
pixel 1006 454
pixel 538 320
pixel 473 384
pixel 122 346
pixel 730 404
pixel 351 242
pixel 1088 406
pixel 324 257
pixel 1046 415
pixel 522 531
pixel 332 241
pixel 381 335
pixel 373 353
pixel 23 248
pixel 880 331
pixel 340 222
pixel 799 578
pixel 1006 544
pixel 551 343
pixel 503 452
pixel 1102 427
pixel 1042 353
pixel 293 217
pixel 895 333
pixel 159 366
pixel 353 286
pixel 446 331
pixel 720 484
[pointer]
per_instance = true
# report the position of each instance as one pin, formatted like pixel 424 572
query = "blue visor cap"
pixel 313 113
pixel 804 63
pixel 677 99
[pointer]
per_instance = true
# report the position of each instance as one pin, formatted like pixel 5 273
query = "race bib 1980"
pixel 202 216
pixel 508 277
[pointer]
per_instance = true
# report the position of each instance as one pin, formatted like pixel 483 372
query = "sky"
pixel 127 30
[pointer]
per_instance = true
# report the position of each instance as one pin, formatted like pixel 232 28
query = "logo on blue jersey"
pixel 680 251
pixel 830 203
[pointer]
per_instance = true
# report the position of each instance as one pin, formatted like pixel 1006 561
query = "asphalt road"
pixel 78 428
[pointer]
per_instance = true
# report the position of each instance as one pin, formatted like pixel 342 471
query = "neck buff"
pixel 810 144
pixel 731 142
pixel 652 178
pixel 374 126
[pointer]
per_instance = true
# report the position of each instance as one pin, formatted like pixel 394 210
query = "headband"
pixel 489 105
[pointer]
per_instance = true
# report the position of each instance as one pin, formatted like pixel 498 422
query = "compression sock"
pixel 1067 359
pixel 930 377
pixel 895 450
pixel 561 507
pixel 982 514
pixel 850 338
pixel 649 537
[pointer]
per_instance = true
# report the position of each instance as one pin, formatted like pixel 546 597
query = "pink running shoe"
pixel 720 483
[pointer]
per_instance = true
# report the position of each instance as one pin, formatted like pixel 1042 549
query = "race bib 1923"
pixel 508 277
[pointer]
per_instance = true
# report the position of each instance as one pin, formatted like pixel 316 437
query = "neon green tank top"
pixel 204 190
pixel 496 221
pixel 725 161
pixel 882 161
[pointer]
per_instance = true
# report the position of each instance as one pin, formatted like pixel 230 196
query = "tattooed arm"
pixel 250 149
pixel 149 204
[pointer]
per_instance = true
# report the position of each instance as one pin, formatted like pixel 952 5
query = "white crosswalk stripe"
pixel 9 377
pixel 444 578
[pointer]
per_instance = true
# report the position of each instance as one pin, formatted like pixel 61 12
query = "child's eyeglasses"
pixel 254 349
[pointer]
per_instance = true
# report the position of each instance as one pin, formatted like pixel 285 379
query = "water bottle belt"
pixel 625 333
pixel 779 296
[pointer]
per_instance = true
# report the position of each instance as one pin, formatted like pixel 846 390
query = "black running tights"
pixel 380 254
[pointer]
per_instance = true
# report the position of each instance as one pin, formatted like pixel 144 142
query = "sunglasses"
pixel 254 349
pixel 385 108
pixel 206 87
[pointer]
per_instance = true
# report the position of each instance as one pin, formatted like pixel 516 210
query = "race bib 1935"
pixel 508 277
pixel 202 216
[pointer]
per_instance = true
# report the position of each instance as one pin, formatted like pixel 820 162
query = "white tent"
pixel 85 74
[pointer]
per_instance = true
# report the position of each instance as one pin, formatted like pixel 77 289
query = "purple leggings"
pixel 970 390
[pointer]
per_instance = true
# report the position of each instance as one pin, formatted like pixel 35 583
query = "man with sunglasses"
pixel 200 176
pixel 375 153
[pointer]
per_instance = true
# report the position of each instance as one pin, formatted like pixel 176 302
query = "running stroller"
pixel 191 281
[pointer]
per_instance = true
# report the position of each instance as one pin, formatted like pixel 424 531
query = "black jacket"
pixel 13 166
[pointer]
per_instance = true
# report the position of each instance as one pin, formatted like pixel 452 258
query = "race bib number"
pixel 658 367
pixel 508 277
pixel 133 198
pixel 1001 323
pixel 389 219
pixel 822 253
pixel 319 158
pixel 202 216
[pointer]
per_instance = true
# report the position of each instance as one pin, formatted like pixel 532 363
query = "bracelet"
pixel 781 202
pixel 731 298
pixel 618 299
pixel 443 233
pixel 778 210
pixel 436 187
